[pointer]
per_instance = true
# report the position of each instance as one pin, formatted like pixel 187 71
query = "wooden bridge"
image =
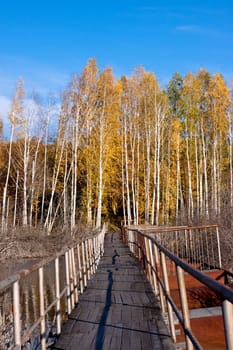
pixel 142 292
pixel 118 310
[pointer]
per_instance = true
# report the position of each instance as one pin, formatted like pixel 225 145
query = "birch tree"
pixel 15 115
pixel 88 87
pixel 106 118
pixel 219 105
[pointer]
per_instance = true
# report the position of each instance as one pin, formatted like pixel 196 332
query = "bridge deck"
pixel 118 309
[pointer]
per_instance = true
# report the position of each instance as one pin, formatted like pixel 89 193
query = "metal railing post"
pixel 16 314
pixel 42 309
pixel 84 265
pixel 94 254
pixel 219 249
pixel 71 279
pixel 90 250
pixel 152 259
pixel 148 258
pixel 74 277
pixel 132 239
pixel 80 269
pixel 138 247
pixel 158 269
pixel 167 290
pixel 227 308
pixel 57 291
pixel 67 282
pixel 87 259
pixel 184 304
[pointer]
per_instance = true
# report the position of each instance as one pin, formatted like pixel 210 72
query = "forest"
pixel 120 149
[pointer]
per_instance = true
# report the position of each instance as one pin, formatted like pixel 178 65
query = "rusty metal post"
pixel 95 257
pixel 132 239
pixel 147 258
pixel 219 249
pixel 135 245
pixel 152 259
pixel 80 270
pixel 100 248
pixel 184 304
pixel 74 276
pixel 167 290
pixel 227 308
pixel 84 265
pixel 57 291
pixel 67 283
pixel 138 246
pixel 94 254
pixel 97 252
pixel 42 309
pixel 90 250
pixel 158 268
pixel 71 279
pixel 101 242
pixel 16 314
pixel 87 259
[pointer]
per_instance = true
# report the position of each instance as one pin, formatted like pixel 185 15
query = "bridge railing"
pixel 68 272
pixel 156 261
pixel 197 245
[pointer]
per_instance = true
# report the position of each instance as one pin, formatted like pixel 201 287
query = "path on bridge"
pixel 118 309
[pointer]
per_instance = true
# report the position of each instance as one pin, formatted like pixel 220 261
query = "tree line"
pixel 121 149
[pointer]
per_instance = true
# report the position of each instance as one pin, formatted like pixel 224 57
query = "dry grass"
pixel 35 243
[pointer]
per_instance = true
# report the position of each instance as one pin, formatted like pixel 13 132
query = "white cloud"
pixel 35 114
pixel 200 30
pixel 37 76
pixel 188 28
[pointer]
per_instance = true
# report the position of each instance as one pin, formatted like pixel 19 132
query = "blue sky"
pixel 46 41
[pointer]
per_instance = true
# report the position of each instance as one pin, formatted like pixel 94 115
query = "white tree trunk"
pixel 100 181
pixel 16 198
pixel 129 217
pixel 178 198
pixel 206 199
pixel 25 178
pixel 4 199
pixel 44 168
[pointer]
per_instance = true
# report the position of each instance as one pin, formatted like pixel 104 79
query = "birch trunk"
pixel 25 178
pixel 158 172
pixel 197 180
pixel 206 191
pixel 178 180
pixel 44 169
pixel 190 194
pixel 100 180
pixel 123 178
pixel 16 198
pixel 231 167
pixel 74 174
pixel 127 175
pixel 4 199
pixel 49 218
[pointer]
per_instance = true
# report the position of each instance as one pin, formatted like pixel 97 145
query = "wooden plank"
pixel 126 340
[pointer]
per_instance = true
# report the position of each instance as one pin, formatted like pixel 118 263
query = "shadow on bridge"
pixel 103 319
